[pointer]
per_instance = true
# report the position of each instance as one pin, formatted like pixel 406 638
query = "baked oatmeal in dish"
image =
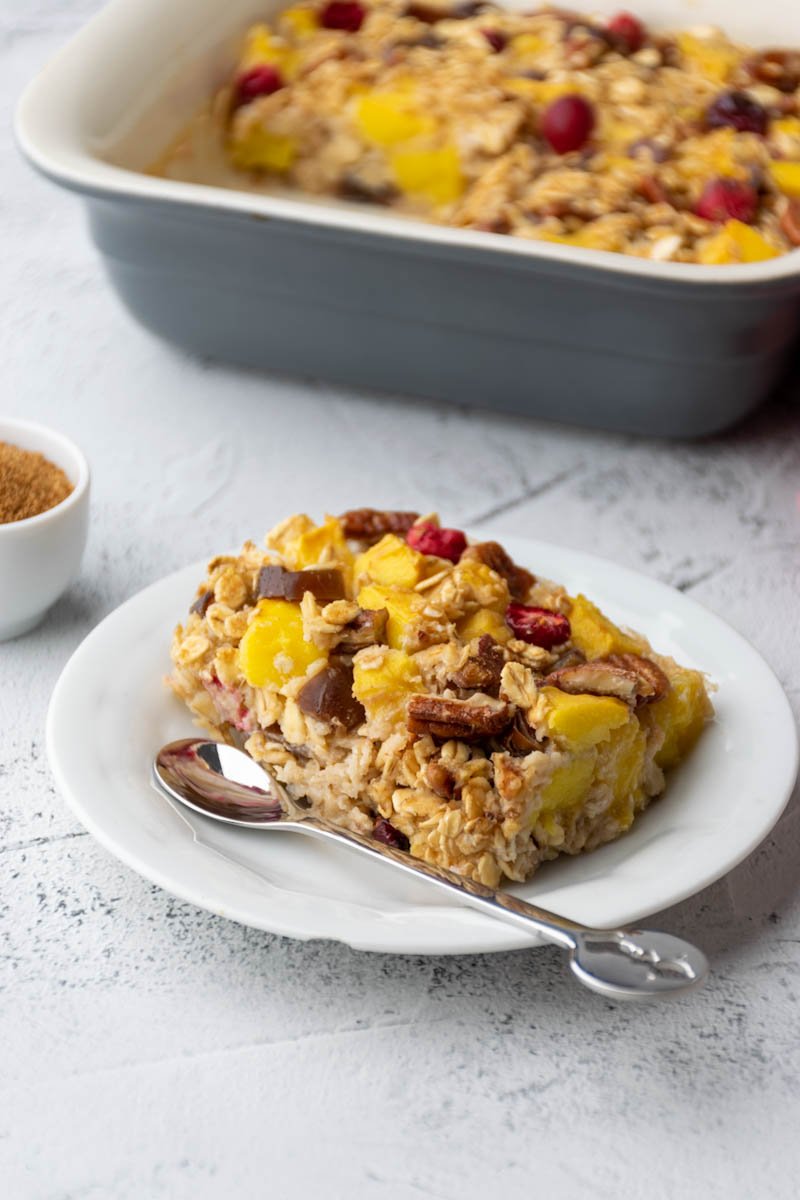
pixel 550 125
pixel 428 690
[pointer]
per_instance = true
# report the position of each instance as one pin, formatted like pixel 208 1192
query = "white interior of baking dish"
pixel 115 98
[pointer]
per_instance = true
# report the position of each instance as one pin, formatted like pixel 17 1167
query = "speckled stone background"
pixel 151 1050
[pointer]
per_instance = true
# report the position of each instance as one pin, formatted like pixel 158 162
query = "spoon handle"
pixel 224 783
pixel 621 964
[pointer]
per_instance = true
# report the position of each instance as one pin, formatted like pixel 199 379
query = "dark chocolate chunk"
pixel 370 524
pixel 328 696
pixel 324 583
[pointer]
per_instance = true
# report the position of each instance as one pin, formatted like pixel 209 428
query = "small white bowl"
pixel 40 556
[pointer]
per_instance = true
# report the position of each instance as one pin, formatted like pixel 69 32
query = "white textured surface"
pixel 152 1050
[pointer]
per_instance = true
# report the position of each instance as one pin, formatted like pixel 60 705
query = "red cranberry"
pixel 739 111
pixel 258 81
pixel 385 832
pixel 444 543
pixel 496 39
pixel 627 32
pixel 539 626
pixel 567 123
pixel 728 199
pixel 343 14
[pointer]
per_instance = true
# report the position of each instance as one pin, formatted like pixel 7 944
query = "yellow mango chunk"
pixel 681 714
pixel 594 635
pixel 540 91
pixel 324 544
pixel 786 176
pixel 736 243
pixel 713 58
pixel 612 129
pixel 626 750
pixel 788 125
pixel 485 620
pixel 301 22
pixel 477 583
pixel 403 609
pixel 392 562
pixel 579 722
pixel 261 46
pixel 263 150
pixel 527 45
pixel 388 117
pixel 628 746
pixel 384 688
pixel 433 175
pixel 273 650
pixel 716 154
pixel 568 784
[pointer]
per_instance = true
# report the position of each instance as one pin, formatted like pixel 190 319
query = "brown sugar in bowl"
pixel 40 553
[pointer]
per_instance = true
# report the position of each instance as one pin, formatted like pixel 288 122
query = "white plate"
pixel 110 712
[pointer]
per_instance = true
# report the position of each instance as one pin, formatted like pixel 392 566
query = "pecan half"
pixel 482 670
pixel 628 677
pixel 597 678
pixel 324 583
pixel 366 629
pixel 461 719
pixel 790 221
pixel 779 68
pixel 328 696
pixel 370 524
pixel 652 683
pixel 492 555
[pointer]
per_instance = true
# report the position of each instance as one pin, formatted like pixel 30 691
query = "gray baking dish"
pixel 362 297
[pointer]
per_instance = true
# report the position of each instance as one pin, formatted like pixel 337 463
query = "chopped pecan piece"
pixel 653 190
pixel 482 670
pixel 461 719
pixel 324 583
pixel 202 602
pixel 495 557
pixel 652 683
pixel 440 779
pixel 328 696
pixel 370 524
pixel 273 734
pixel 519 739
pixel 570 658
pixel 352 187
pixel 628 677
pixel 367 629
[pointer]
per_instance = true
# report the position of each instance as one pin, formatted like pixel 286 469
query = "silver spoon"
pixel 222 782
